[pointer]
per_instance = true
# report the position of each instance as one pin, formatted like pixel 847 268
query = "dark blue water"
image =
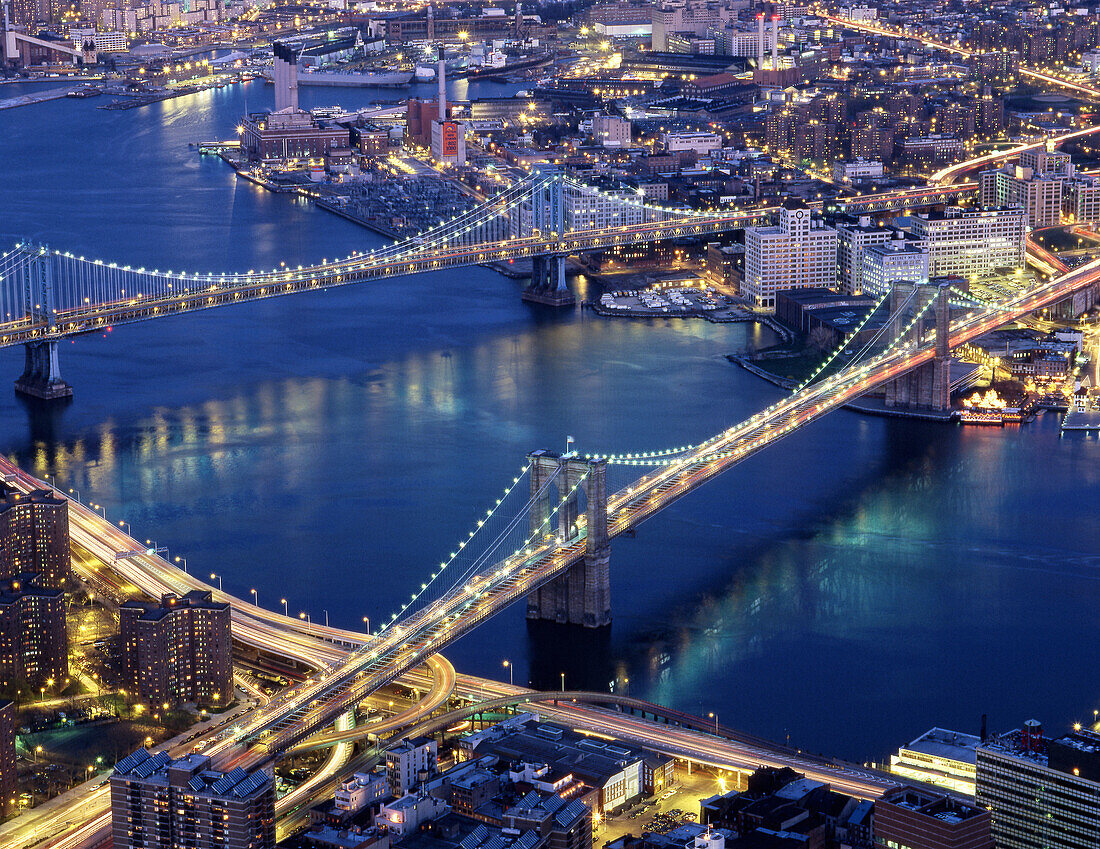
pixel 857 584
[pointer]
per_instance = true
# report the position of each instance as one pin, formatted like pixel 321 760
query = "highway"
pixel 317 702
pixel 409 643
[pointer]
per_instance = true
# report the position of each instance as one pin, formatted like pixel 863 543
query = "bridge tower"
pixel 548 271
pixel 582 596
pixel 41 376
pixel 929 386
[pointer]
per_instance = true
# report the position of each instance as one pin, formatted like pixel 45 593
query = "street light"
pixel 366 624
pixel 309 622
pixel 123 522
pixel 75 492
pixel 37 752
pixel 283 600
pixel 714 716
pixel 509 667
pixel 326 618
pixel 182 560
pixel 563 682
pixel 219 577
pixel 255 598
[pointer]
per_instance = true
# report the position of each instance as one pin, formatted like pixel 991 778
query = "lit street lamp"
pixel 255 598
pixel 219 577
pixel 714 716
pixel 309 622
pixel 124 523
pixel 283 600
pixel 182 560
pixel 563 682
pixel 366 624
pixel 508 665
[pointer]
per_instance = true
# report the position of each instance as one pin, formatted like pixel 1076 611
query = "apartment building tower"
pixel 160 803
pixel 1039 195
pixel 178 650
pixel 34 645
pixel 34 536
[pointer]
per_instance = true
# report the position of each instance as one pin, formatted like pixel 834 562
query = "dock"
pixel 1081 420
pixel 37 97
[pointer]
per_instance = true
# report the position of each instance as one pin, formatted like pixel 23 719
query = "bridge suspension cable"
pixel 432 585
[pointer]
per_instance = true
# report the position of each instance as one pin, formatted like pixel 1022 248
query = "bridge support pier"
pixel 41 376
pixel 548 271
pixel 548 283
pixel 929 386
pixel 582 596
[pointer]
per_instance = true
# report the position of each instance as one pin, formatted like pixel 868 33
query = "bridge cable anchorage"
pixel 843 345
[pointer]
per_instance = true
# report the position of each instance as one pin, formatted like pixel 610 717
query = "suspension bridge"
pixel 547 539
pixel 48 295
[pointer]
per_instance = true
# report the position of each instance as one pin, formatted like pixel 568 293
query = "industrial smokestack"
pixel 442 84
pixel 775 42
pixel 760 42
pixel 285 72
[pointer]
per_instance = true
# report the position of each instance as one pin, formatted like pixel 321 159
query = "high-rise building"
pixel 160 803
pixel 407 763
pixel 34 536
pixel 972 241
pixel 1041 793
pixel 1040 196
pixel 922 819
pixel 9 788
pixel 178 650
pixel 34 645
pixel 799 253
pixel 1047 162
pixel 891 261
pixel 853 238
pixel 1083 200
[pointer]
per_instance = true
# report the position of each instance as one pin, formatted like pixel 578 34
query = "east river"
pixel 860 582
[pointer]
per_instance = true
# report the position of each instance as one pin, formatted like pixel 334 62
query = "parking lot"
pixel 662 814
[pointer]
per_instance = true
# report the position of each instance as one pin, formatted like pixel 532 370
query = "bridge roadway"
pixel 310 706
pixel 318 701
pixel 148 294
pixel 192 292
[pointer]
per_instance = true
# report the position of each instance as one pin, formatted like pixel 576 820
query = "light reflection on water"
pixel 861 582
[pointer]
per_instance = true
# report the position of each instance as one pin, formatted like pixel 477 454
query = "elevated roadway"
pixel 316 703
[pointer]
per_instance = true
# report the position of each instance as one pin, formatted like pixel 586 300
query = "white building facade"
pixel 972 242
pixel 799 253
